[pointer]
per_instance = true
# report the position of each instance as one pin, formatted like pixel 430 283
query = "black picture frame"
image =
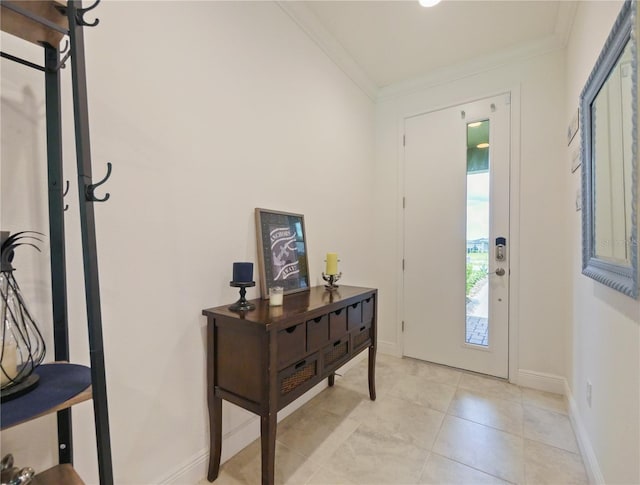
pixel 282 251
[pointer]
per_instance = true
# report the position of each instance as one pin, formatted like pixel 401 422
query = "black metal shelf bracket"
pixel 80 12
pixel 92 187
pixel 60 65
pixel 24 62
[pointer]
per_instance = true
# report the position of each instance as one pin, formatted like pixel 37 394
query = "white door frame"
pixel 514 218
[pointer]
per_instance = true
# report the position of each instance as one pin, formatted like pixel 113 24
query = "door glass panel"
pixel 477 297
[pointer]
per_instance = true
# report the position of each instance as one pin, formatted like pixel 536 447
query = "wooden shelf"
pixel 45 399
pixel 30 30
pixel 78 398
pixel 58 475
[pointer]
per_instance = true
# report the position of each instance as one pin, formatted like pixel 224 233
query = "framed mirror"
pixel 609 141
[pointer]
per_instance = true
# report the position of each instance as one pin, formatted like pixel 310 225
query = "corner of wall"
pixel 389 348
pixel 591 464
pixel 541 381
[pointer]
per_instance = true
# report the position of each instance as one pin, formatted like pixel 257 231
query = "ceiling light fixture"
pixel 483 145
pixel 428 3
pixel 474 125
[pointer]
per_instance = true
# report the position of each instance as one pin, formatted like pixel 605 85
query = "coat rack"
pixel 46 23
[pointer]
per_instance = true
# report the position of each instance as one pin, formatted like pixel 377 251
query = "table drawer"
pixel 335 353
pixel 354 316
pixel 292 342
pixel 297 375
pixel 317 333
pixel 368 307
pixel 361 337
pixel 337 323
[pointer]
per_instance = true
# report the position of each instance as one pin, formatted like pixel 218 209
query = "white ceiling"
pixel 390 42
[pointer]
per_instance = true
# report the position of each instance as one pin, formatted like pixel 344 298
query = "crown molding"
pixel 310 25
pixel 564 21
pixel 474 67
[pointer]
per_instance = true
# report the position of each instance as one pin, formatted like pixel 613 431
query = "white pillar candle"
pixel 9 363
pixel 276 296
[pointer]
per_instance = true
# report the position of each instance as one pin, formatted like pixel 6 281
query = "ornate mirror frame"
pixel 619 275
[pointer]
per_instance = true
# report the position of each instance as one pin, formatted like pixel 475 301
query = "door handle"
pixel 499 272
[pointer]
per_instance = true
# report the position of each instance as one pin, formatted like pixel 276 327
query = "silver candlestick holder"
pixel 331 279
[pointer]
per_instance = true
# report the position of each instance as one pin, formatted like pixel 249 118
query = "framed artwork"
pixel 575 160
pixel 282 251
pixel 573 127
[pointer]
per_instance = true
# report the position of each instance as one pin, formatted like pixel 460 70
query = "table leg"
pixel 332 379
pixel 372 373
pixel 215 436
pixel 268 452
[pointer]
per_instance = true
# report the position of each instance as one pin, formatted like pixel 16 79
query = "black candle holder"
pixel 242 304
pixel 331 279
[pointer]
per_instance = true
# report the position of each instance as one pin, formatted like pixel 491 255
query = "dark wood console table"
pixel 263 359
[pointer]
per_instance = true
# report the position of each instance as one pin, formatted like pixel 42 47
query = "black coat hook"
pixel 61 64
pixel 80 16
pixel 90 189
pixel 64 194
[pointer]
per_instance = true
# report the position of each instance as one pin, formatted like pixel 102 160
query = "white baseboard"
pixel 584 443
pixel 190 472
pixel 559 385
pixel 194 469
pixel 389 348
pixel 540 381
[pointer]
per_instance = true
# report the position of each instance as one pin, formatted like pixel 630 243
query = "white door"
pixel 456 217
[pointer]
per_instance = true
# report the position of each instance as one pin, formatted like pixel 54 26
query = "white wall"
pixel 540 266
pixel 206 110
pixel 605 331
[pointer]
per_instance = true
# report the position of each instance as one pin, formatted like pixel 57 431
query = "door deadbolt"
pixel 501 244
pixel 499 272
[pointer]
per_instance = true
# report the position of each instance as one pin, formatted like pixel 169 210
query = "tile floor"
pixel 429 425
